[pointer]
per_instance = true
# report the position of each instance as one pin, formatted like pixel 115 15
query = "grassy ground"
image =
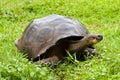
pixel 99 16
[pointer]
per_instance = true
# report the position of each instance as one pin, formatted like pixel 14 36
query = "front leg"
pixel 53 59
pixel 90 51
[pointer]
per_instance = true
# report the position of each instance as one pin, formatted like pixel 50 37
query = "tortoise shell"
pixel 41 34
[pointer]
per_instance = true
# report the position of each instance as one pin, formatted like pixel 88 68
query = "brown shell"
pixel 43 33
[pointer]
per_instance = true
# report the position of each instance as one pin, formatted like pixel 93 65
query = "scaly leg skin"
pixel 87 54
pixel 53 59
pixel 91 51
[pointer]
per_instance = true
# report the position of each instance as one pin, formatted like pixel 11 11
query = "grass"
pixel 99 16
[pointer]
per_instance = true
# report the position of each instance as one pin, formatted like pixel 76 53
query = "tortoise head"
pixel 82 42
pixel 93 38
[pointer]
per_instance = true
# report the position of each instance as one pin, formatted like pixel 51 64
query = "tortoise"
pixel 49 37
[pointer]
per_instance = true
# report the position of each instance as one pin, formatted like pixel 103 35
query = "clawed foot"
pixel 42 62
pixel 91 51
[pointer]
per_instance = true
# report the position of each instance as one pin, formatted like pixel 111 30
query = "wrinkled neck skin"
pixel 80 45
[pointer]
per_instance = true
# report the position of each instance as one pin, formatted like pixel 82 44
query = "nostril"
pixel 100 37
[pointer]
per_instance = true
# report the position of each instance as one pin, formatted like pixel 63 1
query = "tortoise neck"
pixel 76 46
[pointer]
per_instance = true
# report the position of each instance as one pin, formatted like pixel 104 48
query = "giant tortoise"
pixel 48 38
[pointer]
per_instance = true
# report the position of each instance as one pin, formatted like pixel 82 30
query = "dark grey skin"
pixel 78 46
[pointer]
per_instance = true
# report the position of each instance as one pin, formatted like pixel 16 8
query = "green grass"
pixel 99 16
